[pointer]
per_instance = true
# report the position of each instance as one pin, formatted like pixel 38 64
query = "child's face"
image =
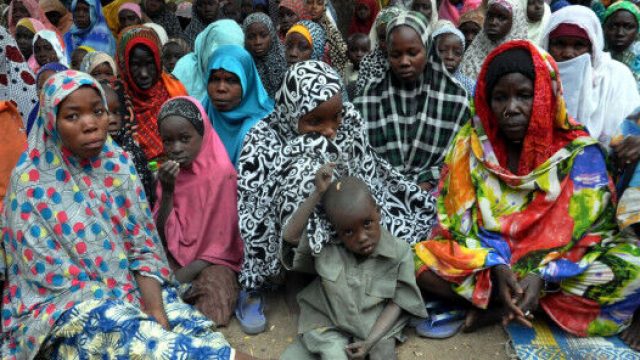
pixel 325 119
pixel 358 229
pixel 171 53
pixel 357 50
pixel 535 10
pixel 180 139
pixel 297 48
pixel 258 39
pixel 450 51
pixel 115 115
pixel 363 12
pixel 76 58
pixel 102 72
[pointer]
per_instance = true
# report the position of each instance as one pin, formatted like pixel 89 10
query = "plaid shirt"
pixel 412 128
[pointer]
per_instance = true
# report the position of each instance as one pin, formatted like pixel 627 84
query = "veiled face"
pixel 565 48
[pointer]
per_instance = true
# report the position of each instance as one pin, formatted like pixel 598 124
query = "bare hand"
pixel 509 293
pixel 323 177
pixel 160 316
pixel 358 350
pixel 627 151
pixel 167 175
pixel 532 285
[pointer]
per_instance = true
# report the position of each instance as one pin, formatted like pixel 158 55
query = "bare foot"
pixel 631 336
pixel 478 318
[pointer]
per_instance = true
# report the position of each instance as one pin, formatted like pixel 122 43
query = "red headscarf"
pixel 550 126
pixel 146 103
pixel 359 26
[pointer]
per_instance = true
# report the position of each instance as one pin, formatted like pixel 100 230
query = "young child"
pixel 366 286
pixel 449 43
pixel 172 51
pixel 358 46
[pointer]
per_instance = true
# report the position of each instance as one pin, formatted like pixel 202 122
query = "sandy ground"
pixel 488 343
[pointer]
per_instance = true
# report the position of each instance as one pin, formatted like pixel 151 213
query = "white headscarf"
pixel 482 46
pixel 605 92
pixel 536 28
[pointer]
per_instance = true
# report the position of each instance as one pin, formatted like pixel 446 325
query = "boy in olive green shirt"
pixel 366 286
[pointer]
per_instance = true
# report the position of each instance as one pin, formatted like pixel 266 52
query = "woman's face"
pixel 258 39
pixel 315 8
pixel 82 122
pixel 297 48
pixel 498 22
pixel 325 119
pixel 511 103
pixel 19 11
pixel 81 16
pixel 470 31
pixel 115 115
pixel 287 19
pixel 24 39
pixel 423 7
pixel 535 10
pixel 44 52
pixel 225 90
pixel 142 67
pixel 128 18
pixel 180 139
pixel 207 10
pixel 171 53
pixel 620 30
pixel 407 54
pixel 102 72
pixel 362 12
pixel 565 48
pixel 450 51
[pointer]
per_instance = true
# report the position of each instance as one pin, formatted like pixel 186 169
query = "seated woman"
pixel 505 20
pixel 83 247
pixel 375 65
pixel 289 13
pixel 414 111
pixel 267 51
pixel 99 65
pixel 600 92
pixel 129 14
pixel 89 28
pixel 26 29
pixel 48 47
pixel 316 10
pixel 526 212
pixel 57 14
pixel 305 40
pixel 621 34
pixel 471 24
pixel 146 84
pixel 236 99
pixel 197 215
pixel 309 127
pixel 449 42
pixel 192 69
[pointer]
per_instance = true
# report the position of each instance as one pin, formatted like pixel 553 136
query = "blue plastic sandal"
pixel 443 321
pixel 250 312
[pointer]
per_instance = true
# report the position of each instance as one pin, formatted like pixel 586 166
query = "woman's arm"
pixel 191 270
pixel 152 298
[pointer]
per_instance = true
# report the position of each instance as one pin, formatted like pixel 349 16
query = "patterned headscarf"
pixel 34 26
pixel 94 59
pixel 375 64
pixel 482 46
pixel 73 217
pixel 411 126
pixel 475 16
pixel 16 79
pixel 318 36
pixel 56 67
pixel 277 169
pixel 56 42
pixel 97 35
pixel 273 65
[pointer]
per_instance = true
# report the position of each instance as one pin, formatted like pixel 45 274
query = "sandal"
pixel 442 322
pixel 250 312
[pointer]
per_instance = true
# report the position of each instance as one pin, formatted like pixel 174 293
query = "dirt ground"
pixel 488 343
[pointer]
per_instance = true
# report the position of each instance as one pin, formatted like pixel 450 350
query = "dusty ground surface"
pixel 488 343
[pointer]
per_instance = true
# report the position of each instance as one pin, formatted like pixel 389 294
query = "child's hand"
pixel 167 175
pixel 323 177
pixel 358 350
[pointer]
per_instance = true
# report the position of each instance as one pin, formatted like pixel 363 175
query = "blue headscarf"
pixel 96 36
pixel 56 67
pixel 232 126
